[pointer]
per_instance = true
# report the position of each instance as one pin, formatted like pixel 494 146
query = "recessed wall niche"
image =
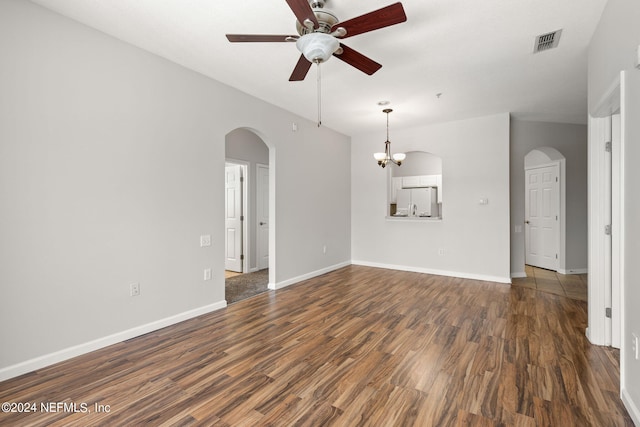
pixel 415 187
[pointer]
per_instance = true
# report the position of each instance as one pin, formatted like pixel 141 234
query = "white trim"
pixel 307 276
pixel 598 293
pixel 518 275
pixel 246 211
pixel 632 409
pixel 84 348
pixel 621 242
pixel 272 216
pixel 610 101
pixel 574 271
pixel 269 219
pixel 617 229
pixel 596 289
pixel 433 271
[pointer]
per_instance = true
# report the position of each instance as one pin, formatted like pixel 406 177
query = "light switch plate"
pixel 205 240
pixel 134 289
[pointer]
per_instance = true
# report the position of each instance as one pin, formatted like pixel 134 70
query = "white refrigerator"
pixel 418 201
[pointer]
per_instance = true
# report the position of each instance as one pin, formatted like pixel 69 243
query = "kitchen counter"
pixel 413 218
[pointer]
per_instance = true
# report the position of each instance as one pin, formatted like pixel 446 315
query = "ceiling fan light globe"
pixel 317 47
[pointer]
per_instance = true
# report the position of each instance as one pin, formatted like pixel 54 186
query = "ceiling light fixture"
pixel 386 157
pixel 318 48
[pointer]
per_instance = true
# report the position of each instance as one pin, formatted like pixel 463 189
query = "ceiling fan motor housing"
pixel 326 19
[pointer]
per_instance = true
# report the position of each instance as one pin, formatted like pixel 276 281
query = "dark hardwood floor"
pixel 358 346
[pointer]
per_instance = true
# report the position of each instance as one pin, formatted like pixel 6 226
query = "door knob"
pixel 526 221
pixel 263 223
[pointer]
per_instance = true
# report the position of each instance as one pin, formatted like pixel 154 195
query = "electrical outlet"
pixel 441 251
pixel 207 274
pixel 324 249
pixel 134 289
pixel 635 349
pixel 205 240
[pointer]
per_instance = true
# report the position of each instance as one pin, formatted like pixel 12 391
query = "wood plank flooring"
pixel 569 285
pixel 356 347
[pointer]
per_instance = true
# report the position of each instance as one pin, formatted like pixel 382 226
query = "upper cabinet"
pixel 419 181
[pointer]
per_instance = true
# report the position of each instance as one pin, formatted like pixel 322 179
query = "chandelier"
pixel 386 157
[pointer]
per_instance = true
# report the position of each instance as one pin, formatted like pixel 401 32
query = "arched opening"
pixel 247 217
pixel 415 187
pixel 545 208
pixel 545 226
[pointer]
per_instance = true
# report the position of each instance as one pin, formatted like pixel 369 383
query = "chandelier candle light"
pixel 386 157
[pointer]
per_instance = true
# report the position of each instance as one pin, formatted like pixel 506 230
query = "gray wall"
pixel 571 141
pixel 474 237
pixel 242 144
pixel 613 48
pixel 112 166
pixel 418 163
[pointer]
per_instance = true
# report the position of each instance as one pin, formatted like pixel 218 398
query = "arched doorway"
pixel 246 215
pixel 545 205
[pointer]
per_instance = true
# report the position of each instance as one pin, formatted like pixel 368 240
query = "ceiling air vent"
pixel 547 41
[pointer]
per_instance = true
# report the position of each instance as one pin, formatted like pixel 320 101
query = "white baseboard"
pixel 632 407
pixel 574 271
pixel 518 275
pixel 80 349
pixel 307 276
pixel 433 271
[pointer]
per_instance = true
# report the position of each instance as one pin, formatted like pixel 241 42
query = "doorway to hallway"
pixel 247 215
pixel 542 210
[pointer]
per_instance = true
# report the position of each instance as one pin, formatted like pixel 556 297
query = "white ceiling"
pixel 478 54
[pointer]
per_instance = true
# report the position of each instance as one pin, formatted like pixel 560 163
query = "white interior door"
pixel 541 217
pixel 262 216
pixel 233 218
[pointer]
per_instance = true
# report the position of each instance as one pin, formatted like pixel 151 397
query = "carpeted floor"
pixel 246 285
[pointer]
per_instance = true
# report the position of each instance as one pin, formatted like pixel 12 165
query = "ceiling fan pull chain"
pixel 319 96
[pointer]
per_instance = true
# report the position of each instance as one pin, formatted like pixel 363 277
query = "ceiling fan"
pixel 320 32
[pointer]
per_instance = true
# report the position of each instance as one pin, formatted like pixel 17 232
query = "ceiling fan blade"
pixel 390 15
pixel 301 70
pixel 358 60
pixel 303 11
pixel 239 38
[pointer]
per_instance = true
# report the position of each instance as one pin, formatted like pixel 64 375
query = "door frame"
pixel 246 252
pixel 269 221
pixel 556 157
pixel 557 164
pixel 602 330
